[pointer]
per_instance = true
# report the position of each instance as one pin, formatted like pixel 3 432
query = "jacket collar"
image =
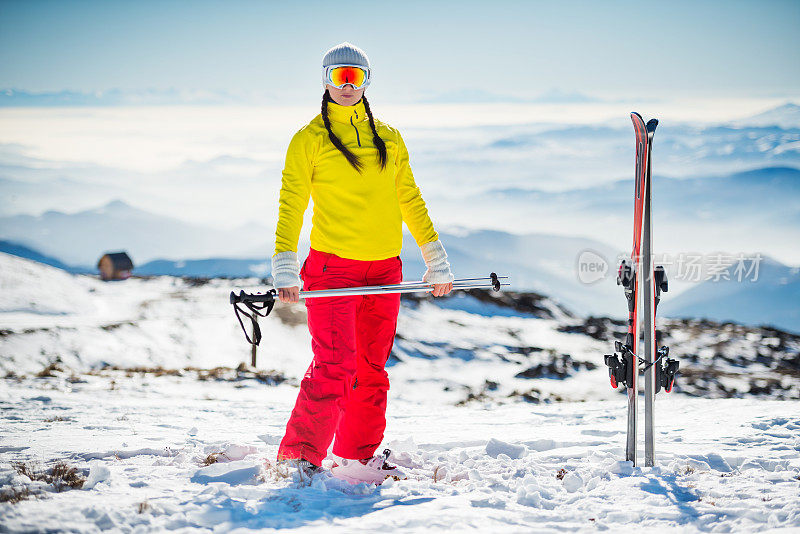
pixel 337 113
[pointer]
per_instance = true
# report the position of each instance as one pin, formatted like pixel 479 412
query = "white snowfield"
pixel 723 465
pixel 489 464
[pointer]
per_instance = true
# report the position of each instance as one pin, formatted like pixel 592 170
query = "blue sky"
pixel 418 49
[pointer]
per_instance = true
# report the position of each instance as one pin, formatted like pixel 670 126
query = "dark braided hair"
pixel 379 144
pixel 352 158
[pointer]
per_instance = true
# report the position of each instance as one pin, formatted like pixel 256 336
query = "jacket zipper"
pixel 356 129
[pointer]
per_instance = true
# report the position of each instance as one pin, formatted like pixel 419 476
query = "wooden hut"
pixel 115 266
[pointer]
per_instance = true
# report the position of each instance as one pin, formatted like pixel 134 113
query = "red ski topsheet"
pixel 641 176
pixel 638 219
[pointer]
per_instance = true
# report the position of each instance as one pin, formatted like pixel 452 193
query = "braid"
pixel 379 144
pixel 352 158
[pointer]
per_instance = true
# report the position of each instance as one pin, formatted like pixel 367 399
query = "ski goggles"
pixel 341 75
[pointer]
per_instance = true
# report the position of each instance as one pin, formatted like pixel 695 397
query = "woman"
pixel 357 170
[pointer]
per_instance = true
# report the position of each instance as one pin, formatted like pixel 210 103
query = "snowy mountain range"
pixel 720 203
pixel 770 296
pixel 81 238
pixel 757 210
pixel 559 157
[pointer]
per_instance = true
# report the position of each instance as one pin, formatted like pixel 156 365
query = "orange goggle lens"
pixel 344 75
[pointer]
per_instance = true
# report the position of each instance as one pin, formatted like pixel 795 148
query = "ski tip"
pixel 651 125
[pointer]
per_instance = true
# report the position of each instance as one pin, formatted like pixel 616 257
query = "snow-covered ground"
pixel 723 465
pixel 500 411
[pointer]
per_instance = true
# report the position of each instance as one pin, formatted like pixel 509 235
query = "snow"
pixel 234 473
pixel 168 442
pixel 725 464
pixel 97 473
pixel 495 448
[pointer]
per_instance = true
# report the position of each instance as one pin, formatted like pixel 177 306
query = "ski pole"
pixel 403 287
pixel 261 304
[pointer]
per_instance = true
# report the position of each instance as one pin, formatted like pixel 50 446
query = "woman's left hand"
pixel 442 289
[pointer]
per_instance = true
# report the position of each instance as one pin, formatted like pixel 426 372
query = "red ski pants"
pixel 344 390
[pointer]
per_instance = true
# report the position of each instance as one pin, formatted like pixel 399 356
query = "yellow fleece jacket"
pixel 356 216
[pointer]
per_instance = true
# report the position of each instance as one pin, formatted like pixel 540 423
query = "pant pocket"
pixel 332 328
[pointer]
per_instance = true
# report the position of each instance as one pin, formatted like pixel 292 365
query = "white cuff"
pixel 436 261
pixel 286 270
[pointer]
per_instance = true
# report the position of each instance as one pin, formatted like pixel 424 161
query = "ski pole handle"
pixel 269 296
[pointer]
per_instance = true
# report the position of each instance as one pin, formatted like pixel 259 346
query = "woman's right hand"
pixel 289 294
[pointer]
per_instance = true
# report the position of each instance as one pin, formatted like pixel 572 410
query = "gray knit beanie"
pixel 345 54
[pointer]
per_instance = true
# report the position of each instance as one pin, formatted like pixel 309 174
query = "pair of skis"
pixel 643 284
